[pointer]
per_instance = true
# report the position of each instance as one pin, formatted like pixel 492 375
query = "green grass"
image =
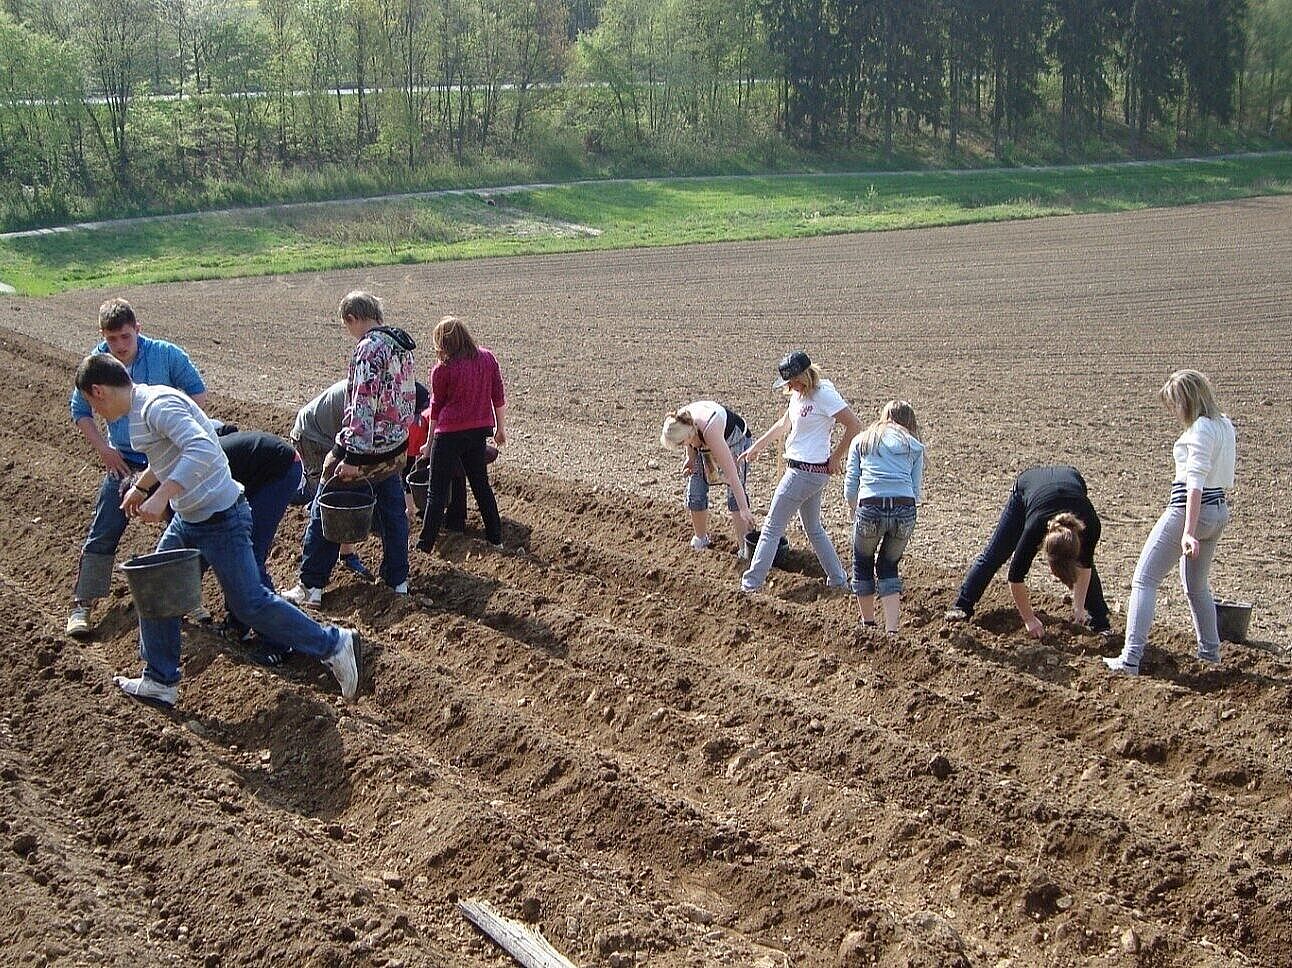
pixel 627 214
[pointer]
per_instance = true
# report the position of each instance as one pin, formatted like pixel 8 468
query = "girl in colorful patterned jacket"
pixel 380 400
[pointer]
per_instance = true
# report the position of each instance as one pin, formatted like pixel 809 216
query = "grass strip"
pixel 610 215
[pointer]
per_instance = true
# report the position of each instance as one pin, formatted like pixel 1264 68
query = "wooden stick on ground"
pixel 524 944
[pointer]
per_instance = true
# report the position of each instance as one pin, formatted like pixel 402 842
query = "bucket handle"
pixel 327 482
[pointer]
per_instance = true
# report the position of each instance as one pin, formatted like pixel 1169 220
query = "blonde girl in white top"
pixel 1190 527
pixel 712 437
pixel 815 407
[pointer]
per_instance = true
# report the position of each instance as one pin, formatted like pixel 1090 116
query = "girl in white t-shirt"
pixel 1190 527
pixel 815 407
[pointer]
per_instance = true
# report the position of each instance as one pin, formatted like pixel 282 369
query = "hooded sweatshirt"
pixel 381 394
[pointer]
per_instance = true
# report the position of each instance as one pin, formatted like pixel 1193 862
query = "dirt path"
pixel 673 773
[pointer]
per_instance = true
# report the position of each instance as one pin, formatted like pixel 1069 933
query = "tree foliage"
pixel 127 99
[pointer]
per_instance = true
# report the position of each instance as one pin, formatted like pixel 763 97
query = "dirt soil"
pixel 599 734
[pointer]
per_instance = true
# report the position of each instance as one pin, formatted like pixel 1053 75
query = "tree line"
pixel 107 101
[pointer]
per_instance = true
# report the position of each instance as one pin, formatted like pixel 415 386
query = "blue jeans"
pixel 697 485
pixel 799 491
pixel 879 538
pixel 389 517
pixel 268 505
pixel 224 540
pixel 1161 553
pixel 107 525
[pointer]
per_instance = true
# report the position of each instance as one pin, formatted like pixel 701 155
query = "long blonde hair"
pixel 452 339
pixel 811 377
pixel 1189 395
pixel 894 415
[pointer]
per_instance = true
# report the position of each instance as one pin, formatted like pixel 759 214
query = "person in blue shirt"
pixel 150 361
pixel 882 482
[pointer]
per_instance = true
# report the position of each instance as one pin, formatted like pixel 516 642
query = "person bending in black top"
pixel 1047 508
pixel 269 470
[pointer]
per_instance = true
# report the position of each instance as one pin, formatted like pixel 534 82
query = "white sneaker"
pixel 146 689
pixel 344 663
pixel 1116 664
pixel 700 542
pixel 400 589
pixel 301 595
pixel 78 622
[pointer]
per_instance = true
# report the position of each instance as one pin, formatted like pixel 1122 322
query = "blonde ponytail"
pixel 677 430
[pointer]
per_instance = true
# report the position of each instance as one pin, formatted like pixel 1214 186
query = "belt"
pixel 1211 496
pixel 799 465
pixel 888 502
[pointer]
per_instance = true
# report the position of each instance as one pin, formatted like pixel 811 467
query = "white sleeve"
pixel 1200 442
pixel 831 401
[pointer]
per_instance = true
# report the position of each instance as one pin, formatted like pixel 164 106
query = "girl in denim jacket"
pixel 884 474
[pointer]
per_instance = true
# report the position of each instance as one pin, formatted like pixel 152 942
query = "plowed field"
pixel 597 733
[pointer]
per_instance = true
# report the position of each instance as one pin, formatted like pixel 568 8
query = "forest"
pixel 112 107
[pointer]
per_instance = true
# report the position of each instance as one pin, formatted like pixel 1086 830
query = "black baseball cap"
pixel 790 366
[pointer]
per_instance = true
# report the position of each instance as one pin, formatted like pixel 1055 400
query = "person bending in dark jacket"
pixel 269 470
pixel 1047 508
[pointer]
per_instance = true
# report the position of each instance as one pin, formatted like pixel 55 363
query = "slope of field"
pixel 599 732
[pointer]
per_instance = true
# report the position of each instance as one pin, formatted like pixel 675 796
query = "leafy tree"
pixel 113 36
pixel 1211 38
pixel 1080 41
pixel 1269 58
pixel 41 111
pixel 1151 35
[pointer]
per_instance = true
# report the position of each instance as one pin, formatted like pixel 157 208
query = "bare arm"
pixel 1024 605
pixel 775 432
pixel 200 399
pixel 1192 510
pixel 717 444
pixel 111 457
pixel 851 427
pixel 1079 589
pixel 499 432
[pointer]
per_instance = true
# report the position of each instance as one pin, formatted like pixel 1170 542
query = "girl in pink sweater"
pixel 467 407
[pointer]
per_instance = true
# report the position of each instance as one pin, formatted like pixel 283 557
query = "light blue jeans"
pixel 1160 554
pixel 799 491
pixel 879 538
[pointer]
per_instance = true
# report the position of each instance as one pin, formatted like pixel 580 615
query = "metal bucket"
pixel 1232 619
pixel 165 584
pixel 346 515
pixel 419 483
pixel 782 549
